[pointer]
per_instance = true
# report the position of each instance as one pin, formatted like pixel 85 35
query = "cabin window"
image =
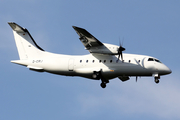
pixel 93 61
pixel 139 61
pixel 129 61
pixel 86 61
pixel 100 61
pixel 80 61
pixel 110 61
pixel 104 61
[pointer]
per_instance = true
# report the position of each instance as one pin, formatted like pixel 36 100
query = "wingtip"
pixel 74 27
pixel 11 23
pixel 78 28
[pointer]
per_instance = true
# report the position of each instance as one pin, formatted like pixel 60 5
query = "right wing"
pixel 87 39
pixel 93 45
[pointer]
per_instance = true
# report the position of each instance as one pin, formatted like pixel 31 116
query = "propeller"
pixel 119 50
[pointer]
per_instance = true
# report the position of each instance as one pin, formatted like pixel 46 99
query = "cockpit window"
pixel 157 60
pixel 152 59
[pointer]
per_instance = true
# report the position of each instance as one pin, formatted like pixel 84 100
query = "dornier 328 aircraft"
pixel 105 61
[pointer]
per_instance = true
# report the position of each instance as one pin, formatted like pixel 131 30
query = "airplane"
pixel 105 61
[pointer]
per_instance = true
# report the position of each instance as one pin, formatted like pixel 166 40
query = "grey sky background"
pixel 148 28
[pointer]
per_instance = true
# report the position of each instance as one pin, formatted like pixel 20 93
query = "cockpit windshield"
pixel 153 59
pixel 157 60
pixel 150 59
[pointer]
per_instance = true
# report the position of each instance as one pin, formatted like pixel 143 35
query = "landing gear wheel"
pixel 156 80
pixel 103 85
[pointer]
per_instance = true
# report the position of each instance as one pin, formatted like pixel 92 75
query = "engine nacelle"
pixel 105 49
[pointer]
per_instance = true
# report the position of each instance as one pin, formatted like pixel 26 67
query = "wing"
pixel 87 39
pixel 93 45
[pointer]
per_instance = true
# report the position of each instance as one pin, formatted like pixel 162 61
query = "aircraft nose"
pixel 166 70
pixel 169 71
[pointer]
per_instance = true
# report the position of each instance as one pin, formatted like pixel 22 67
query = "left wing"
pixel 93 45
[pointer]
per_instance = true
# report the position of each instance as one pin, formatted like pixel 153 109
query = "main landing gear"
pixel 97 76
pixel 104 82
pixel 103 85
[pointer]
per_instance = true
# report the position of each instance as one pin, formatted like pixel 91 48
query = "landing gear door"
pixel 71 65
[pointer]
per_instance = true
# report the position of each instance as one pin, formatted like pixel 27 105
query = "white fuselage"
pixel 85 65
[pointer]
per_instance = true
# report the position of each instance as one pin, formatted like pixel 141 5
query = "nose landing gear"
pixel 156 80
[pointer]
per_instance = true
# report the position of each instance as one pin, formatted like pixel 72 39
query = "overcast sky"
pixel 149 27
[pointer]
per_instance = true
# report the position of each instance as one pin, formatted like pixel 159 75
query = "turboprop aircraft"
pixel 105 61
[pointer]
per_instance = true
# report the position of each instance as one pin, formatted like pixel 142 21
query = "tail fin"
pixel 27 47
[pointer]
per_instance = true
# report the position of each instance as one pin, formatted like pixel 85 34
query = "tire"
pixel 156 80
pixel 103 85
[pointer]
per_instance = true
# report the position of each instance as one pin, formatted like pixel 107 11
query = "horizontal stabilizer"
pixel 25 63
pixel 20 62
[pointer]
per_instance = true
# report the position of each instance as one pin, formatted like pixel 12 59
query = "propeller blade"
pixel 121 56
pixel 118 58
pixel 120 49
pixel 120 52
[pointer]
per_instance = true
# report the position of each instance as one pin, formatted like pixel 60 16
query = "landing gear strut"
pixel 104 82
pixel 97 75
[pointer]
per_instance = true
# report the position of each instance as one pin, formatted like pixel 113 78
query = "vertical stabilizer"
pixel 27 47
